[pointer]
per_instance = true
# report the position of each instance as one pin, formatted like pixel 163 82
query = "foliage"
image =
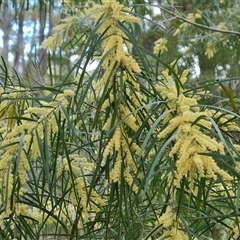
pixel 133 149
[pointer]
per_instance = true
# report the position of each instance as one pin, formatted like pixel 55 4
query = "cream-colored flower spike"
pixel 192 141
pixel 116 57
pixel 115 43
pixel 170 224
pixel 160 46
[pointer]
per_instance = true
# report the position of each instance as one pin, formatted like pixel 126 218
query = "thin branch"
pixel 200 25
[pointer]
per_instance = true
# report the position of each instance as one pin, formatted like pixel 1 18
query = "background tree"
pixel 6 28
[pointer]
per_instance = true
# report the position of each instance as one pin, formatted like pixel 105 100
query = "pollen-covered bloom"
pixel 171 225
pixel 236 232
pixel 115 44
pixel 222 26
pixel 118 77
pixel 79 184
pixel 160 46
pixel 124 161
pixel 193 16
pixel 192 142
pixel 60 32
pixel 113 10
pixel 210 49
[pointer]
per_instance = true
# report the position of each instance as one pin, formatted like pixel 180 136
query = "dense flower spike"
pixel 236 232
pixel 115 42
pixel 191 139
pixel 115 53
pixel 160 46
pixel 61 31
pixel 171 225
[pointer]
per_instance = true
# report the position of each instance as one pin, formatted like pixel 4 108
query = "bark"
pixel 19 52
pixel 42 54
pixel 6 28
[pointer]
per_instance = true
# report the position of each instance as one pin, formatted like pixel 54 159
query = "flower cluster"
pixel 236 232
pixel 191 17
pixel 119 69
pixel 60 31
pixel 160 46
pixel 210 49
pixel 21 142
pixel 170 223
pixel 115 41
pixel 79 187
pixel 191 125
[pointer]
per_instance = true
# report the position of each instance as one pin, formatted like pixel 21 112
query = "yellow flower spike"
pixel 107 102
pixel 68 93
pixel 160 46
pixel 173 123
pixel 130 161
pixel 222 26
pixel 177 146
pixel 107 124
pixel 111 9
pixel 207 142
pixel 134 146
pixel 130 63
pixel 107 149
pixel 117 138
pixel 167 219
pixel 191 140
pixel 184 165
pixel 183 77
pixel 114 142
pixel 210 50
pixel 236 232
pixel 198 14
pixel 191 17
pixel 182 100
pixel 170 224
pixel 187 143
pixel 61 31
pixel 199 164
pixel 1 90
pixel 23 168
pixel 115 174
pixel 115 41
pixel 50 42
pixel 129 179
pixel 130 119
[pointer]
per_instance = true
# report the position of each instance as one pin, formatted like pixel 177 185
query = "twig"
pixel 200 25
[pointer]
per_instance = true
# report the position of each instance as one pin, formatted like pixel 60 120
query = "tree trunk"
pixel 19 52
pixel 42 54
pixel 6 28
